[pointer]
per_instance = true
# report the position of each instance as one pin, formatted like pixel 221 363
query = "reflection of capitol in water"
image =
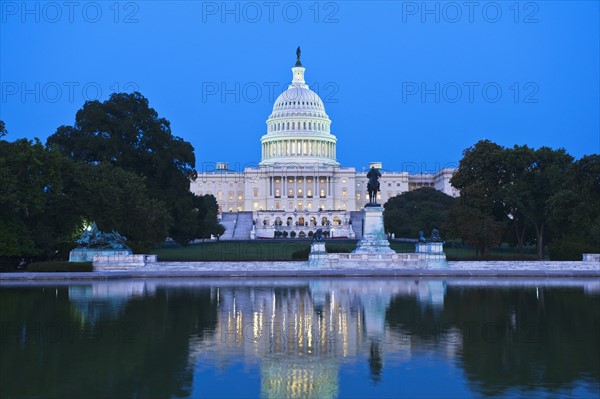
pixel 300 337
pixel 301 333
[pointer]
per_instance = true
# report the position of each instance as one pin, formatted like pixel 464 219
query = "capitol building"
pixel 299 185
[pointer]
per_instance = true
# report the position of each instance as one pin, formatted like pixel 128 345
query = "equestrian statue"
pixel 373 185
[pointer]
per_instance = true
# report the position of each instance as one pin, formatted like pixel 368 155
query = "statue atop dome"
pixel 298 52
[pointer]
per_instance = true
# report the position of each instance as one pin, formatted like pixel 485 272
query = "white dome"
pixel 297 100
pixel 298 129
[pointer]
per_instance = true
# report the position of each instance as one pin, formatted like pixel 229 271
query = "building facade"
pixel 298 185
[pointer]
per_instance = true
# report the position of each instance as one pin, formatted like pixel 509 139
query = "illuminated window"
pixel 357 196
pixel 255 192
pixel 231 196
pixel 299 193
pixel 277 193
pixel 344 192
pixel 343 181
pixel 322 193
pixel 291 193
pixel 309 192
pixel 240 196
pixel 220 195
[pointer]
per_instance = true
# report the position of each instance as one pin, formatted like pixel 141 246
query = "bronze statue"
pixel 318 236
pixel 298 52
pixel 94 238
pixel 373 185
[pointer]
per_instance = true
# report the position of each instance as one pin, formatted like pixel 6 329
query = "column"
pixel 304 188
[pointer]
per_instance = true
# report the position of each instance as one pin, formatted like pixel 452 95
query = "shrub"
pixel 285 234
pixel 337 249
pixel 310 234
pixel 293 234
pixel 60 266
pixel 570 249
pixel 301 254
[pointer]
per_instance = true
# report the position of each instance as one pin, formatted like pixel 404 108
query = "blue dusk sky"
pixel 410 84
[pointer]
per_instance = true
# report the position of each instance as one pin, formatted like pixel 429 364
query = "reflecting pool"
pixel 301 338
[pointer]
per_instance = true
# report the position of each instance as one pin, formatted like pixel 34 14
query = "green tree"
pixel 543 178
pixel 422 209
pixel 36 216
pixel 118 200
pixel 508 187
pixel 515 193
pixel 46 198
pixel 574 211
pixel 125 132
pixel 479 216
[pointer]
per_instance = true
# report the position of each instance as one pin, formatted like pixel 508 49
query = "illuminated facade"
pixel 298 184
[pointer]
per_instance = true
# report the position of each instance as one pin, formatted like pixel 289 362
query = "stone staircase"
pixel 228 220
pixel 243 226
pixel 357 220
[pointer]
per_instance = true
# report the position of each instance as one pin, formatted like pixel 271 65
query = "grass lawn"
pixel 274 250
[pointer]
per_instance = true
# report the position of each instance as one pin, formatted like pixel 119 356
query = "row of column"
pixel 285 126
pixel 298 147
pixel 316 185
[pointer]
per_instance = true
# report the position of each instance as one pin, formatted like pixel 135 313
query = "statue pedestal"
pixel 374 240
pixel 318 254
pixel 434 254
pixel 87 254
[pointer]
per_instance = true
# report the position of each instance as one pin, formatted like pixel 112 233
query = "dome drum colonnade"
pixel 298 128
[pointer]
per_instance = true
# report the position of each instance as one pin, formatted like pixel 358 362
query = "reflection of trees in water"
pixel 375 361
pixel 48 351
pixel 511 338
pixel 502 338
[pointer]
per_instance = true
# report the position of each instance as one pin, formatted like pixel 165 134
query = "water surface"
pixel 299 338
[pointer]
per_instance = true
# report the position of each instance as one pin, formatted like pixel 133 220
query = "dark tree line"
pixel 423 209
pixel 118 165
pixel 519 195
pixel 528 196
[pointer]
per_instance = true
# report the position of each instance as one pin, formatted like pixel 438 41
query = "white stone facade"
pixel 299 176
